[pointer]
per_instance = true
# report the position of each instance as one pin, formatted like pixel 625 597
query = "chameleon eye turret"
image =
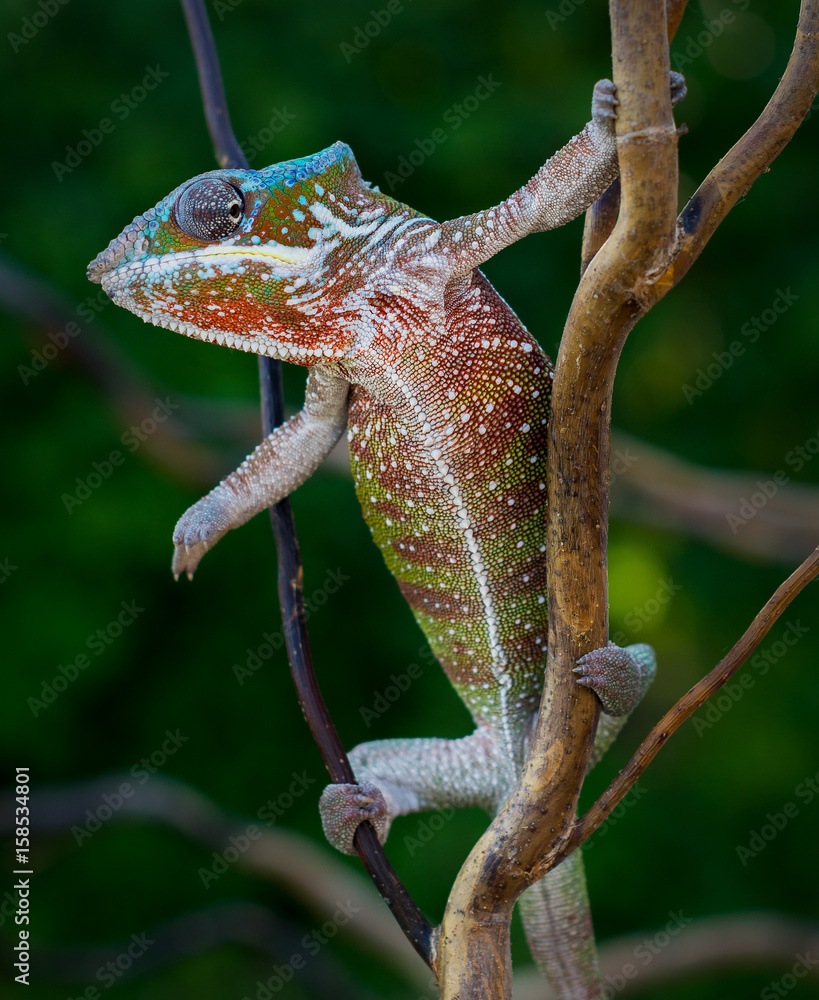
pixel 209 209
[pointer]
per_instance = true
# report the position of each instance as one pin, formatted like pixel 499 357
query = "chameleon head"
pixel 266 261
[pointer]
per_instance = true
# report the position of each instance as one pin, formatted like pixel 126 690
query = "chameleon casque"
pixel 445 399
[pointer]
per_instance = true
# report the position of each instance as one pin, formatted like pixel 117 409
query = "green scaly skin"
pixel 444 396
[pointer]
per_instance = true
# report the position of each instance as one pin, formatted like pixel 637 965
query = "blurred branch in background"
pixel 308 874
pixel 652 486
pixel 665 491
pixel 129 393
pixel 320 881
pixel 246 924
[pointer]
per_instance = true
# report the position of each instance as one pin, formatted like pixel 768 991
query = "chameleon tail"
pixel 557 909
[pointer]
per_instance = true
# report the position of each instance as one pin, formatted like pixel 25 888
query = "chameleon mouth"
pixel 270 251
pixel 112 259
pixel 250 343
pixel 119 284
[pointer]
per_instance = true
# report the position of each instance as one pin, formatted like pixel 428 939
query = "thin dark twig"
pixel 227 150
pixel 290 578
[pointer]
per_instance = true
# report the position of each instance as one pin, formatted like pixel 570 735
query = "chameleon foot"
pixel 619 677
pixel 344 808
pixel 199 529
pixel 605 102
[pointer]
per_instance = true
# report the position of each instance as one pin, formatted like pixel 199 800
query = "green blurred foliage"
pixel 172 668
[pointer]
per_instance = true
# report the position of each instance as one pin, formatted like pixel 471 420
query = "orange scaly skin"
pixel 444 396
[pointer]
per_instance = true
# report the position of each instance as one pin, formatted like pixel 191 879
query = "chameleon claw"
pixel 604 102
pixel 678 87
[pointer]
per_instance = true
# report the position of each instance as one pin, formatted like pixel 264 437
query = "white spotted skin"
pixel 448 450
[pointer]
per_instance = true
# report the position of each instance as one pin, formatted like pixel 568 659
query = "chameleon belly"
pixel 451 481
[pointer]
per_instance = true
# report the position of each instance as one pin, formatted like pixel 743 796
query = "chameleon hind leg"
pixel 401 776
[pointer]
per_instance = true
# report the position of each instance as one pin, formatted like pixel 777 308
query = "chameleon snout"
pixel 131 242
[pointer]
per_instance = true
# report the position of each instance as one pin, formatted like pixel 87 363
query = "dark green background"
pixel 172 668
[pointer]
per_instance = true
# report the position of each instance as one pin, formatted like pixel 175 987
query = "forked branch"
pixel 729 181
pixel 648 252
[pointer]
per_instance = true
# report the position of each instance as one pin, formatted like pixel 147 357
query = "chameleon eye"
pixel 210 209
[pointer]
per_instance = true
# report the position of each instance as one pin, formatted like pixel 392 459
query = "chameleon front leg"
pixel 401 776
pixel 280 463
pixel 566 185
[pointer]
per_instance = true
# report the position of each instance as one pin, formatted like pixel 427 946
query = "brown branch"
pixel 724 186
pixel 674 10
pixel 606 307
pixel 599 223
pixel 629 273
pixel 602 216
pixel 695 698
pixel 474 942
pixel 733 176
